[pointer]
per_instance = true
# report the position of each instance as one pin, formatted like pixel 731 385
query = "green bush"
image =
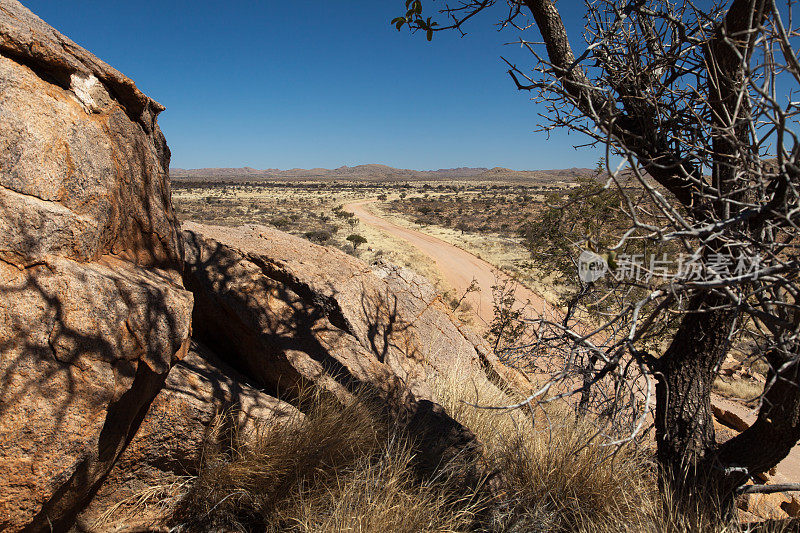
pixel 356 239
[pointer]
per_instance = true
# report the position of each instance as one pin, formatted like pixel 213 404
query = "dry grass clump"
pixel 558 477
pixel 341 469
pixel 382 494
pixel 738 388
pixel 349 469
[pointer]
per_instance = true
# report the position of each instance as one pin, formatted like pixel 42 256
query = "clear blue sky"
pixel 302 83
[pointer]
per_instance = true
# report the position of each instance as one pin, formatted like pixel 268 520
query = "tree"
pixel 506 328
pixel 589 215
pixel 356 239
pixel 697 105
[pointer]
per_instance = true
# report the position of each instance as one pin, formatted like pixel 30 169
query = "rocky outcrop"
pixel 292 314
pixel 204 404
pixel 93 313
pixel 103 394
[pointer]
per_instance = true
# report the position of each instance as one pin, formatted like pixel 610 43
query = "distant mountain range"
pixel 377 173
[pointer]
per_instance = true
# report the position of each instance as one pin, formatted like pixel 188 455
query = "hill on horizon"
pixel 376 172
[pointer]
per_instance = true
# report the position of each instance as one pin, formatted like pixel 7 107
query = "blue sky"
pixel 302 83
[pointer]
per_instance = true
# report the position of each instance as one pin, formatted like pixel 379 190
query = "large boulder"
pixel 204 405
pixel 93 313
pixel 291 314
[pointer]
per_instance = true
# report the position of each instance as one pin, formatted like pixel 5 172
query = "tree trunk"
pixel 588 375
pixel 773 435
pixel 684 420
pixel 691 463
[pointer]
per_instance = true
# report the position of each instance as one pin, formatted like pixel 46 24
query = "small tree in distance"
pixel 357 240
pixel 696 101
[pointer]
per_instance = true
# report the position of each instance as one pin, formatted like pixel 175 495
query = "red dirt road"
pixel 457 266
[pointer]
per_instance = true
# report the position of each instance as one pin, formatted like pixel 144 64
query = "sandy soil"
pixel 458 267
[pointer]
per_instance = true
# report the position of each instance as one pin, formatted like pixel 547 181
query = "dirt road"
pixel 457 266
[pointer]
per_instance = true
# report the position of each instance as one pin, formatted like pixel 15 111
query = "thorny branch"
pixel 699 108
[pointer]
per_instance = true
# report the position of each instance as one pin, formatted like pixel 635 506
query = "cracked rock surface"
pixel 93 313
pixel 291 314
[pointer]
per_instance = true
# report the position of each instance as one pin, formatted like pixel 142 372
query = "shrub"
pixel 280 223
pixel 341 213
pixel 356 239
pixel 319 236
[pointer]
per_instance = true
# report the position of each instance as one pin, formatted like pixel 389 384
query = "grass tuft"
pixel 347 468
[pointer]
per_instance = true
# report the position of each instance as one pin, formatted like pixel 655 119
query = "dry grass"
pixel 557 480
pixel 382 494
pixel 349 469
pixel 738 388
pixel 342 469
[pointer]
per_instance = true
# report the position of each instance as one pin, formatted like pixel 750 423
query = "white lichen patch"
pixel 84 88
